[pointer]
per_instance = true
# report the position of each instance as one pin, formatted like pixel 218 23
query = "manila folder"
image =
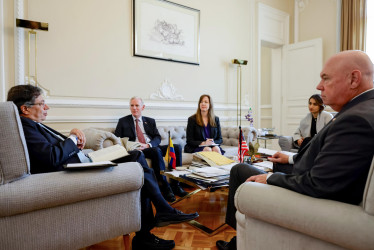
pixel 108 154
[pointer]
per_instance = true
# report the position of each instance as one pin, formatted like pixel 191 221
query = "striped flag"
pixel 244 147
pixel 170 155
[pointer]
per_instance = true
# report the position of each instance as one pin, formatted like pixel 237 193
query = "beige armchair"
pixel 271 217
pixel 61 210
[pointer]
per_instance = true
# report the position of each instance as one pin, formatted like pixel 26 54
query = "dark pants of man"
pixel 150 192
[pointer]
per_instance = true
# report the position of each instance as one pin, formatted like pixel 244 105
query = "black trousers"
pixel 238 175
pixel 150 192
pixel 156 154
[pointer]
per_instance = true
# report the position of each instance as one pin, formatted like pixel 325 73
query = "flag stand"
pixel 241 159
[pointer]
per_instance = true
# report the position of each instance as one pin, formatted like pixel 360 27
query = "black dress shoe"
pixel 164 219
pixel 178 190
pixel 168 194
pixel 224 245
pixel 151 241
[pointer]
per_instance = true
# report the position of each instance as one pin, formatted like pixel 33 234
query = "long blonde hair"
pixel 211 116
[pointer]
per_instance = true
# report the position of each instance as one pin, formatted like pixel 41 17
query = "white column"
pixel 296 22
pixel 19 45
pixel 2 53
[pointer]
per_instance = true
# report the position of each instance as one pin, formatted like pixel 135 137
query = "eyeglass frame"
pixel 41 104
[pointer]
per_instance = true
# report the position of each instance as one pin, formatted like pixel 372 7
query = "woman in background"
pixel 203 128
pixel 312 123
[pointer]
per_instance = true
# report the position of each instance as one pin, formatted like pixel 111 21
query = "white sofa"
pixel 271 217
pixel 103 137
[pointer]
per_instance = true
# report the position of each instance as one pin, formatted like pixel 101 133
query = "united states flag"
pixel 244 147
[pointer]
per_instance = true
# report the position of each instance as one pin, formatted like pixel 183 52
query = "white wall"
pixel 86 59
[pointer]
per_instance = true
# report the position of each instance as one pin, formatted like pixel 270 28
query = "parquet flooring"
pixel 211 207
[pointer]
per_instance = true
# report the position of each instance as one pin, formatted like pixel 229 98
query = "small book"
pixel 108 154
pixel 78 166
pixel 130 145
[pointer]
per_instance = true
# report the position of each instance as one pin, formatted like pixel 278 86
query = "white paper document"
pixel 271 152
pixel 264 164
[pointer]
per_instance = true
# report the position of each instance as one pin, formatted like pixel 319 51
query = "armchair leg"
pixel 126 241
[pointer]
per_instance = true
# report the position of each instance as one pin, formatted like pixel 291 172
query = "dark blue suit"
pixel 126 128
pixel 48 154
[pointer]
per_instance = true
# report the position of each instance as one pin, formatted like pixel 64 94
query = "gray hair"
pixel 138 98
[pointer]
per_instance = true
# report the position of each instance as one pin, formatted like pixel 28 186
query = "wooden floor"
pixel 211 207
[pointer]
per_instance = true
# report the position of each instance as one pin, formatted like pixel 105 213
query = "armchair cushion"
pixel 20 196
pixel 342 224
pixel 13 150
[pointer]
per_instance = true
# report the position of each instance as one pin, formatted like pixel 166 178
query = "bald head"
pixel 344 76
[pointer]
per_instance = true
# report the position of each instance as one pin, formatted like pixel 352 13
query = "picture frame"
pixel 166 31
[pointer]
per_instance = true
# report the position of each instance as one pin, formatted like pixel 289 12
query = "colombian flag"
pixel 170 155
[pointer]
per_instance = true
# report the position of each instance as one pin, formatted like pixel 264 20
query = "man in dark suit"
pixel 335 163
pixel 143 129
pixel 49 150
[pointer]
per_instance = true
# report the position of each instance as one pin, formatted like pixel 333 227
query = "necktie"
pixel 139 132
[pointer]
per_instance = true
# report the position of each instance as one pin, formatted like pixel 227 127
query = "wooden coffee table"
pixel 211 209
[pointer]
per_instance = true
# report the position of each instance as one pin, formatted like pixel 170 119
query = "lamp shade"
pixel 241 62
pixel 34 25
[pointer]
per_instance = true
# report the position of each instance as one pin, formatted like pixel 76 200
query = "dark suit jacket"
pixel 195 134
pixel 47 153
pixel 335 163
pixel 126 128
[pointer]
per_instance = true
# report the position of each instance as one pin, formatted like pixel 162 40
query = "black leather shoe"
pixel 168 194
pixel 151 241
pixel 178 190
pixel 164 219
pixel 224 245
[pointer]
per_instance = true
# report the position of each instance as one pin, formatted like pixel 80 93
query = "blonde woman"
pixel 203 128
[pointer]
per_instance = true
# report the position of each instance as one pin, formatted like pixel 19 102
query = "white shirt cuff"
pixel 290 159
pixel 74 138
pixel 150 145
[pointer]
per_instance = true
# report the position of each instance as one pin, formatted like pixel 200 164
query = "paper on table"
pixel 271 152
pixel 264 164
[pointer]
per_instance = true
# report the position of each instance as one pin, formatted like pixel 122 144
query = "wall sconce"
pixel 33 26
pixel 239 90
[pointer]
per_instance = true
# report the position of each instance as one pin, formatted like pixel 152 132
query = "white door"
pixel 301 66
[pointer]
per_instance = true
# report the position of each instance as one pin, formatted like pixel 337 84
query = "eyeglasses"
pixel 41 104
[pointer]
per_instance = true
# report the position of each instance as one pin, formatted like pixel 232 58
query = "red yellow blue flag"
pixel 170 155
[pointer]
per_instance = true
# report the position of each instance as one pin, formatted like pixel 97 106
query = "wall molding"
pixel 114 119
pixel 167 91
pixel 111 104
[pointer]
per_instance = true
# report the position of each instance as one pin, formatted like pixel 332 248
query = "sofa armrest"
pixel 331 221
pixel 48 190
pixel 285 143
pixel 97 139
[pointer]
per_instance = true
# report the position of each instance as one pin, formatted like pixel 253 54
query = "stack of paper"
pixel 210 159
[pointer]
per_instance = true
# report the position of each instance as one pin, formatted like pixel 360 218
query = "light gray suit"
pixel 305 124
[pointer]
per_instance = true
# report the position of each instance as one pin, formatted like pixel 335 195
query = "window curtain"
pixel 353 25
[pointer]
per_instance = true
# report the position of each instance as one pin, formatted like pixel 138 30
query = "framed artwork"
pixel 166 31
